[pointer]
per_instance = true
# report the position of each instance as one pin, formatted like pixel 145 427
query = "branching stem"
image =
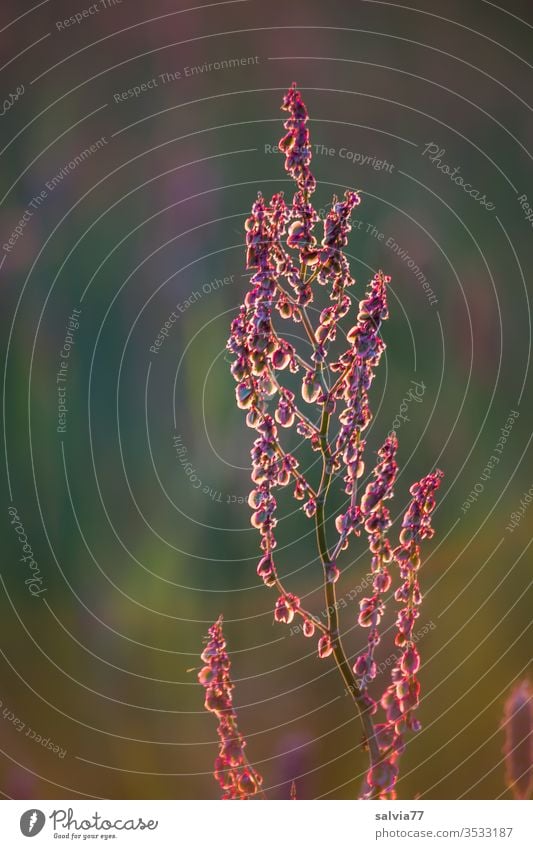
pixel 331 600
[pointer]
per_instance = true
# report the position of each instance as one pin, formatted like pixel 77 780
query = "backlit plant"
pixel 518 748
pixel 293 256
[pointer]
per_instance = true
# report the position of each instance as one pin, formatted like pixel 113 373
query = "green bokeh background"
pixel 136 556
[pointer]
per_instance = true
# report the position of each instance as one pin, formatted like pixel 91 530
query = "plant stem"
pixel 303 418
pixel 331 600
pixel 295 473
pixel 303 315
pixel 307 366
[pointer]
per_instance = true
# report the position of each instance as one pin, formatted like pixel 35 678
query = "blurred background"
pixel 134 138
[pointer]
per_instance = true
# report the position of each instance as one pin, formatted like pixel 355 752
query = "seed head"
pixel 237 778
pixel 518 748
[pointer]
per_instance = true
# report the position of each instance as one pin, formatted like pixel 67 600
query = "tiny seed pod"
pixel 332 573
pixel 309 508
pixel 283 612
pixel 238 369
pixel 414 559
pixel 325 646
pixel 406 535
pixel 285 309
pixel 247 783
pixel 280 359
pixel 252 417
pixel 410 661
pixel 268 387
pixel 310 257
pixel 255 499
pixel 287 143
pixel 308 628
pixel 244 394
pixel 206 675
pixel 299 491
pixel 311 388
pixel 283 477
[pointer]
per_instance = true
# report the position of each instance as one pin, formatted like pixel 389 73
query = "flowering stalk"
pixel 237 778
pixel 518 748
pixel 291 270
pixel 401 698
pixel 377 522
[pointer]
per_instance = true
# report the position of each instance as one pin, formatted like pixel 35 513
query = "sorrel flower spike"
pixel 377 522
pixel 401 698
pixel 357 367
pixel 296 144
pixel 237 778
pixel 291 269
pixel 518 748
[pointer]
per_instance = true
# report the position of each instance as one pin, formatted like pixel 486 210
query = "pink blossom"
pixel 237 778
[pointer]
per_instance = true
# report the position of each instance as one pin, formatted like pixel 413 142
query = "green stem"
pixel 307 366
pixel 303 418
pixel 303 315
pixel 331 600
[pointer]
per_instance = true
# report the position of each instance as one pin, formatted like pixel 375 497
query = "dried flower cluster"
pixel 237 778
pixel 296 260
pixel 400 700
pixel 518 748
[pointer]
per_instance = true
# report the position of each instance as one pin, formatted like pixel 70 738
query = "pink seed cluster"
pixel 518 748
pixel 237 778
pixel 401 698
pixel 377 520
pixel 296 143
pixel 297 260
pixel 357 367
